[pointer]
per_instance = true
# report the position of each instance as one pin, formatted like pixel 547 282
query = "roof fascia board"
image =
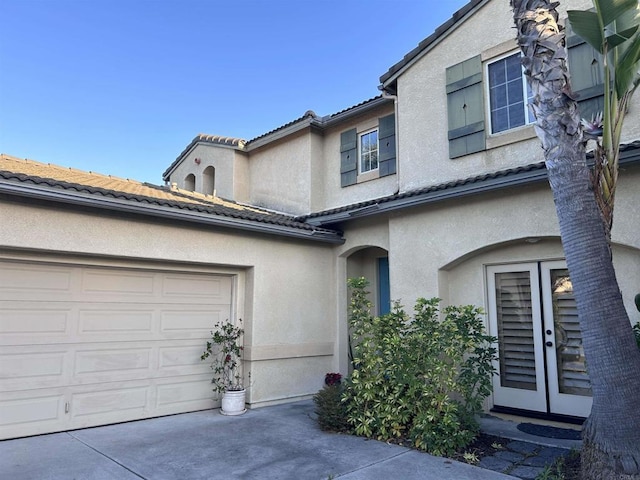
pixel 628 157
pixel 432 197
pixel 331 120
pixel 282 133
pixel 114 204
pixel 390 77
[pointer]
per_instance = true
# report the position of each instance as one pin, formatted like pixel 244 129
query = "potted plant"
pixel 225 351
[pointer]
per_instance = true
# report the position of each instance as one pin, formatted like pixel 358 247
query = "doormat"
pixel 549 432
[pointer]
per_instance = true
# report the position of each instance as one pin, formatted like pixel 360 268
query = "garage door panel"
pixel 182 360
pixel 189 288
pixel 19 279
pixel 175 396
pixel 190 323
pixel 40 411
pixel 114 362
pixel 110 320
pixel 112 401
pixel 121 285
pixel 84 346
pixel 24 324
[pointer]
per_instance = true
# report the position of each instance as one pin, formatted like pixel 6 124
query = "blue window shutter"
pixel 587 74
pixel 348 157
pixel 384 286
pixel 465 107
pixel 387 145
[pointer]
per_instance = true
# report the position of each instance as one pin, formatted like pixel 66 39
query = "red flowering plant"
pixel 225 351
pixel 332 379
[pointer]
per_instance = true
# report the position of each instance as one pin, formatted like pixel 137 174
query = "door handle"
pixel 549 344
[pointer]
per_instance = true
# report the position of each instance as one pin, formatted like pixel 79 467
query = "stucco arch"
pixel 462 280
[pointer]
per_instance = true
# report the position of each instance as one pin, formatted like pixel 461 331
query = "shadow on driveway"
pixel 281 442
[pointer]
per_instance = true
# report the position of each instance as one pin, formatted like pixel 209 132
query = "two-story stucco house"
pixel 437 187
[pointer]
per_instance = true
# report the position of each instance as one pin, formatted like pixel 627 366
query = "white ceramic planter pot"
pixel 233 402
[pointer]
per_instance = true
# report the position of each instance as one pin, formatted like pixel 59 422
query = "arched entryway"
pixel 372 263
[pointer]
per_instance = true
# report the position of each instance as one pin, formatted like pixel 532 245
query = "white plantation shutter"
pixel 572 375
pixel 515 330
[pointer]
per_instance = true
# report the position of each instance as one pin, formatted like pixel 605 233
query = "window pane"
pixel 498 97
pixel 514 91
pixel 513 67
pixel 499 120
pixel 516 115
pixel 497 73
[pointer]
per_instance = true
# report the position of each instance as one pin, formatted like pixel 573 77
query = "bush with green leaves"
pixel 332 414
pixel 423 377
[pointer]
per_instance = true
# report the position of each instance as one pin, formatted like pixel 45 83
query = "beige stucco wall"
pixel 422 105
pixel 440 250
pixel 280 175
pixel 230 170
pixel 368 187
pixel 286 295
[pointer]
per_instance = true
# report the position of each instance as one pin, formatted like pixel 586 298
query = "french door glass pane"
pixel 515 330
pixel 572 370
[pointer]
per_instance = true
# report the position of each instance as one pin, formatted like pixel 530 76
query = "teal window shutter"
pixel 587 75
pixel 387 145
pixel 348 157
pixel 465 107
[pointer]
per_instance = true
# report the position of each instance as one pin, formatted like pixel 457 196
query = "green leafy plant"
pixel 471 458
pixel 421 377
pixel 331 411
pixel 225 351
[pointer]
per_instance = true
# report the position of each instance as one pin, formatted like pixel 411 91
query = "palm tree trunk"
pixel 611 435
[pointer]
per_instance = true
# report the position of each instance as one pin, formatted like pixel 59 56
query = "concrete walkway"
pixel 281 442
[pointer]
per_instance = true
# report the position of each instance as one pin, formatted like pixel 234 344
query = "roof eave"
pixel 283 132
pixel 331 120
pixel 431 197
pixel 629 155
pixel 159 211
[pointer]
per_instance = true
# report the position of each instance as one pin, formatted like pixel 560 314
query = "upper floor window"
pixel 509 94
pixel 373 149
pixel 368 151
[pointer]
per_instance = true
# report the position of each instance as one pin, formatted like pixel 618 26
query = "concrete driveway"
pixel 281 442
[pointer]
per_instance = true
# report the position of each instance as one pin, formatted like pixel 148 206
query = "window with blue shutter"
pixel 368 151
pixel 465 107
pixel 587 75
pixel 348 157
pixel 387 142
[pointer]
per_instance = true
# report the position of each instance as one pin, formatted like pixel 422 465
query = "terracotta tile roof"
pixel 204 138
pixel 28 172
pixel 309 118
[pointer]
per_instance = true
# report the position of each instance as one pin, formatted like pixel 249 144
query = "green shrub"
pixel 332 413
pixel 420 377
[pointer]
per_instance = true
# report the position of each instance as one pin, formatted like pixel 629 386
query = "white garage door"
pixel 83 346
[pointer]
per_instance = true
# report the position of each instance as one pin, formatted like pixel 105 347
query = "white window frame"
pixel 360 153
pixel 526 93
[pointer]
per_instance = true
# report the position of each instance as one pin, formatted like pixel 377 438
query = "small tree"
pixel 611 447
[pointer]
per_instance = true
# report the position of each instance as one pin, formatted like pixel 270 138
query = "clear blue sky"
pixel 122 86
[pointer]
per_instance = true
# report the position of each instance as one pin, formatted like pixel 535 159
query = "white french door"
pixel 541 361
